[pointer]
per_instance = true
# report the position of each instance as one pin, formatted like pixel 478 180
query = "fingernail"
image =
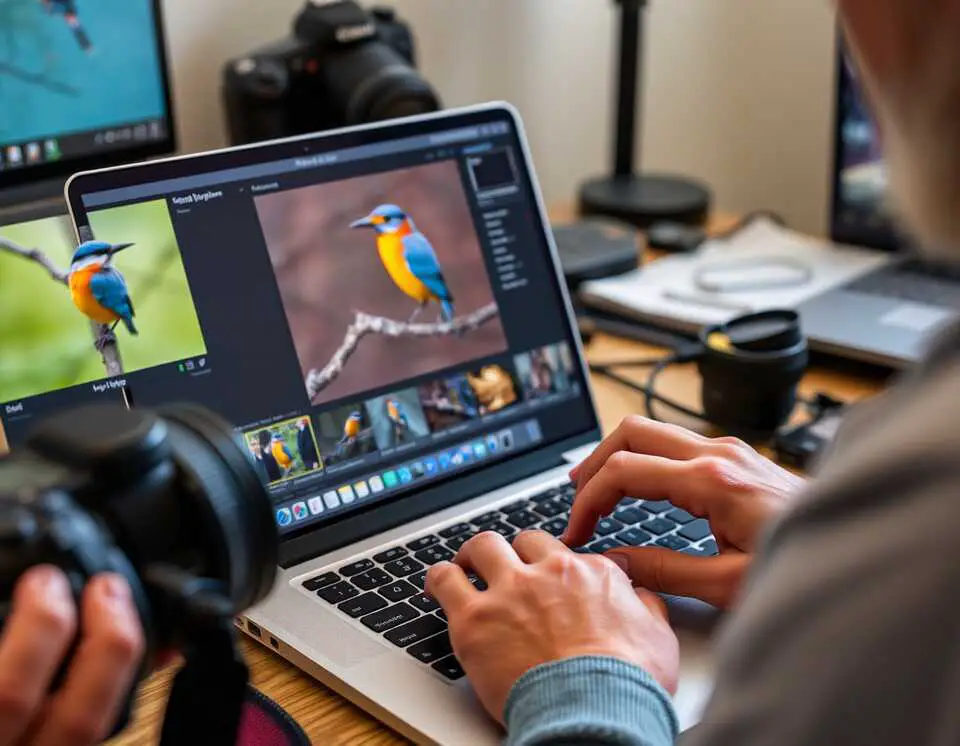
pixel 52 583
pixel 573 473
pixel 115 588
pixel 620 561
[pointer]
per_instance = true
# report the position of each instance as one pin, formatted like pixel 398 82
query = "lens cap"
pixel 768 331
pixel 108 439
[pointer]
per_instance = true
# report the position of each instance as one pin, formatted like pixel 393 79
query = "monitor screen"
pixel 862 212
pixel 83 82
pixel 374 319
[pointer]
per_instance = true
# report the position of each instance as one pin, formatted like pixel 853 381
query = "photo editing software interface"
pixel 372 321
pixel 78 78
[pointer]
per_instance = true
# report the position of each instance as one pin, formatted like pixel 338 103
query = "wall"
pixel 739 92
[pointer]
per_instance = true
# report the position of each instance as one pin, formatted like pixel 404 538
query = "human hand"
pixel 721 479
pixel 36 638
pixel 545 603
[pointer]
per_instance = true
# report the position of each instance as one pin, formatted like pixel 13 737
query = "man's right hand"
pixel 722 479
pixel 37 636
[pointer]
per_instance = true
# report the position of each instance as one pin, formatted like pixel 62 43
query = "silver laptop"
pixel 888 315
pixel 381 313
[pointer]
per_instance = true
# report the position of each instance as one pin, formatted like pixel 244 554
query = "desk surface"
pixel 329 719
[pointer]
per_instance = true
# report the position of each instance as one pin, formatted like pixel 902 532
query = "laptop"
pixel 390 426
pixel 888 315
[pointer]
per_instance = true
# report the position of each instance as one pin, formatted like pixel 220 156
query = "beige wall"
pixel 739 91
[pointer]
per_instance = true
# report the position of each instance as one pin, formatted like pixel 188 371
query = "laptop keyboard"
pixel 910 284
pixel 385 591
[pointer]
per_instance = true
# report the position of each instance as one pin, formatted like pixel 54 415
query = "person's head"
pixel 302 424
pixel 908 54
pixel 255 448
pixel 264 437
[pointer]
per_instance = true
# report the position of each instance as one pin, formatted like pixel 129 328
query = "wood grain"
pixel 331 720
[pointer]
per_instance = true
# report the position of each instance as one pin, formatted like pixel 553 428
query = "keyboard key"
pixel 334 594
pixel 348 571
pixel 372 579
pixel 656 506
pixel 698 551
pixel 680 516
pixel 556 527
pixel 458 541
pixel 419 580
pixel 449 667
pixel 634 537
pixel 365 604
pixel 442 614
pixel 486 518
pixel 423 542
pixel 659 526
pixel 696 530
pixel 501 528
pixel 397 591
pixel 544 497
pixel 523 520
pixel 403 567
pixel 424 603
pixel 431 650
pixel 321 581
pixel 567 498
pixel 551 508
pixel 479 583
pixel 390 555
pixel 433 555
pixel 631 515
pixel 604 545
pixel 416 631
pixel 455 530
pixel 607 526
pixel 710 547
pixel 396 615
pixel 516 507
pixel 672 542
pixel 582 550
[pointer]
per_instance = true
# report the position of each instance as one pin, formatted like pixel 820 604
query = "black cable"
pixel 653 395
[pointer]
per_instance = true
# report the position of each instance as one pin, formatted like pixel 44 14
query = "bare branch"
pixel 34 255
pixel 364 324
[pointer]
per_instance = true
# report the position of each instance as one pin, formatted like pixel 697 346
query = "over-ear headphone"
pixel 750 368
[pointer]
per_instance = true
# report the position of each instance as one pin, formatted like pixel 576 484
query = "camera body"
pixel 343 66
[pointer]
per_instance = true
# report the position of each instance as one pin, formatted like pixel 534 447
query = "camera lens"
pixel 371 83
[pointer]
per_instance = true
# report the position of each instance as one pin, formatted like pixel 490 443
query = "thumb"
pixel 715 580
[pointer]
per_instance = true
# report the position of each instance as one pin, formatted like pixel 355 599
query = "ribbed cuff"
pixel 593 700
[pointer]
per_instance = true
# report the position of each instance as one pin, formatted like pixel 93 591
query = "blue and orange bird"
pixel 97 288
pixel 351 429
pixel 281 452
pixel 409 259
pixel 396 414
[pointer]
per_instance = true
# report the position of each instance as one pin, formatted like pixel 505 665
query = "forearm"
pixel 600 701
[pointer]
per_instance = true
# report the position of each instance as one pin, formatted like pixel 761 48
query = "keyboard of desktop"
pixel 384 592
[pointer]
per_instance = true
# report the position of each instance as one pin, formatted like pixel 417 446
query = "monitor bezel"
pixel 61 170
pixel 314 541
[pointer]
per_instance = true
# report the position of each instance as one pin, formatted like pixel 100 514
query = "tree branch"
pixel 34 255
pixel 365 324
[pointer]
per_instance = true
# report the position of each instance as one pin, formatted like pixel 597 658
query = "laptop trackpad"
pixel 916 317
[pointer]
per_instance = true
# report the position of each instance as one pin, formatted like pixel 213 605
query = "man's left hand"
pixel 544 603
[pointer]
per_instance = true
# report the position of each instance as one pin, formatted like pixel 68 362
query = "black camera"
pixel 343 66
pixel 170 500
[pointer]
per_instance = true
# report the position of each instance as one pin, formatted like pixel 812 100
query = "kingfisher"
pixel 409 259
pixel 281 453
pixel 351 429
pixel 97 288
pixel 396 414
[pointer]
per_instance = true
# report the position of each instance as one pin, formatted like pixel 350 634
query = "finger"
pixel 447 584
pixel 623 475
pixel 640 435
pixel 489 555
pixel 534 546
pixel 654 603
pixel 715 580
pixel 35 639
pixel 103 668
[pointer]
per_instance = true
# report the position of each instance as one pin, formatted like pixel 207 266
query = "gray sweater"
pixel 849 632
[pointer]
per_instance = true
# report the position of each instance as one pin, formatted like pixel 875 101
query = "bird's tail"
pixel 131 327
pixel 447 311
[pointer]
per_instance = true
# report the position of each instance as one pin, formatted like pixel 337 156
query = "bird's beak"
pixel 363 223
pixel 117 248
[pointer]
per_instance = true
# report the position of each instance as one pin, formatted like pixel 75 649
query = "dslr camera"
pixel 343 66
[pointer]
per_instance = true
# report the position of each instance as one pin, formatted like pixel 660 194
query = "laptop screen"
pixel 374 316
pixel 82 83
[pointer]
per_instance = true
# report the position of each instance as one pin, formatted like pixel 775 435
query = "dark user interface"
pixel 369 325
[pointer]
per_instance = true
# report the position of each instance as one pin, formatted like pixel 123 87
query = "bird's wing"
pixel 286 452
pixel 423 263
pixel 110 291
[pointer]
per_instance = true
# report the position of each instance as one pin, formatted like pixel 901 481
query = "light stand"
pixel 625 195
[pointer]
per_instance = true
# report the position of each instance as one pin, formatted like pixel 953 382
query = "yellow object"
pixel 279 454
pixel 390 247
pixel 83 297
pixel 352 427
pixel 720 342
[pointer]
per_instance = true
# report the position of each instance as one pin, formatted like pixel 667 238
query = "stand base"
pixel 645 200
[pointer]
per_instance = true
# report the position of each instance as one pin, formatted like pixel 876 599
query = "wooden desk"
pixel 331 720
